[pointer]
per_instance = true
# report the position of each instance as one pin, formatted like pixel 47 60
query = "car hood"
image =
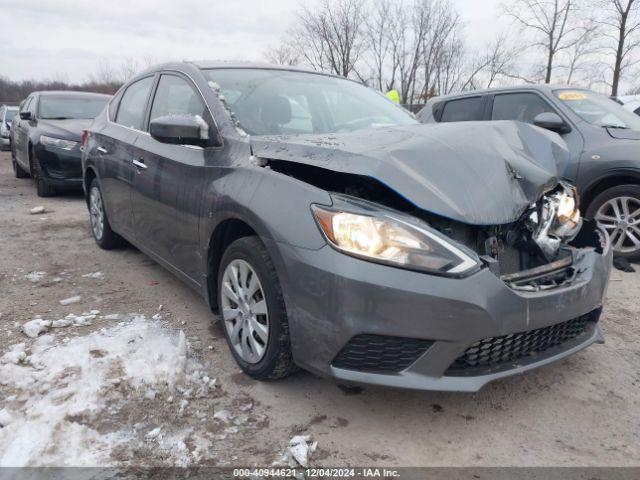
pixel 70 129
pixel 480 173
pixel 624 133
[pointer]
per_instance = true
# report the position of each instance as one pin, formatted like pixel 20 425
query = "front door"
pixel 524 107
pixel 168 182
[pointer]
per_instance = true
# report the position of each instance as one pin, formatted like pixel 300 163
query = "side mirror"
pixel 180 130
pixel 551 121
pixel 25 115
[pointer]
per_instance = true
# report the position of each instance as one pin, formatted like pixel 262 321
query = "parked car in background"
pixel 46 137
pixel 630 102
pixel 333 231
pixel 6 116
pixel 602 136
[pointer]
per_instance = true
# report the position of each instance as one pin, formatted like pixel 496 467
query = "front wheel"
pixel 18 171
pixel 253 311
pixel 43 189
pixel 617 209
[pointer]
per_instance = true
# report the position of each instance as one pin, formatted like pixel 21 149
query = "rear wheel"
pixel 104 236
pixel 18 171
pixel 617 209
pixel 253 311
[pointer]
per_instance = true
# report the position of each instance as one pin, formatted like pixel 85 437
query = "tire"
pixel 101 230
pixel 260 359
pixel 43 189
pixel 18 171
pixel 618 211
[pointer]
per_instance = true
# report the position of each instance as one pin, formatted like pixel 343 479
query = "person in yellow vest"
pixel 394 96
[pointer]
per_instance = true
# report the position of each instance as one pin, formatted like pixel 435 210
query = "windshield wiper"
pixel 57 118
pixel 620 127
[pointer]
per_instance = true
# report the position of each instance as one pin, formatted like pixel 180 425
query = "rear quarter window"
pixel 462 110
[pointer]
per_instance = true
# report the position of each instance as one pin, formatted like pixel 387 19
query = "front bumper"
pixel 60 167
pixel 332 298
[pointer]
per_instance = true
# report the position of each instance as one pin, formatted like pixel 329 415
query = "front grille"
pixel 377 353
pixel 495 352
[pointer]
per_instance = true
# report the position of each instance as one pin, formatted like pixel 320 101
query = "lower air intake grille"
pixel 376 353
pixel 495 352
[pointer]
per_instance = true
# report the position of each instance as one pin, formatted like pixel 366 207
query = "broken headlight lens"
pixel 392 241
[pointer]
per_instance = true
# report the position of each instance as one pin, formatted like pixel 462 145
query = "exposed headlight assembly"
pixel 57 142
pixel 558 220
pixel 385 239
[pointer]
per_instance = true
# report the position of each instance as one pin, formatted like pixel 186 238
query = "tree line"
pixel 107 78
pixel 419 48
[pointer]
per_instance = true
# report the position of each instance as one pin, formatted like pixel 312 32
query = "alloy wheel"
pixel 97 213
pixel 244 310
pixel 620 216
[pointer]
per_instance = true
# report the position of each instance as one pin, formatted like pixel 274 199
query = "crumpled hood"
pixel 70 129
pixel 479 173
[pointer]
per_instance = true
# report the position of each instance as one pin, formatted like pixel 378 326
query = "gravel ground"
pixel 582 411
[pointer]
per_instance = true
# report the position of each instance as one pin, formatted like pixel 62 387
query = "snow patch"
pixel 70 300
pixel 97 275
pixel 37 210
pixel 299 451
pixel 35 276
pixel 66 379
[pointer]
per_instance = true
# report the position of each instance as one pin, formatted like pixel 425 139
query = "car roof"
pixel 68 93
pixel 214 64
pixel 547 88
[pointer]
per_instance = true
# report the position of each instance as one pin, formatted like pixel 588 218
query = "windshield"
pixel 598 110
pixel 61 108
pixel 8 116
pixel 284 102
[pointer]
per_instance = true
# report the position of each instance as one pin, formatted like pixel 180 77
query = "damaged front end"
pixel 539 250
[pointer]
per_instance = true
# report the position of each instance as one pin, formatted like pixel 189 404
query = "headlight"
pixel 57 142
pixel 392 241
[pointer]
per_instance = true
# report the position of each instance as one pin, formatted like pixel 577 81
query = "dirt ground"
pixel 582 411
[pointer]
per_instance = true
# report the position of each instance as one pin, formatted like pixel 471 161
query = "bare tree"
pixel 330 36
pixel 551 23
pixel 283 54
pixel 580 59
pixel 377 36
pixel 621 22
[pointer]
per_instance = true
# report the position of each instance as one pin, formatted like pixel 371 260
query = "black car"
pixel 602 136
pixel 46 137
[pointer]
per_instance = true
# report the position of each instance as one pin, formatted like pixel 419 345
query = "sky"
pixel 67 39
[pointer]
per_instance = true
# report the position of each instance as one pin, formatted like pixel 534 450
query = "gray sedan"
pixel 331 231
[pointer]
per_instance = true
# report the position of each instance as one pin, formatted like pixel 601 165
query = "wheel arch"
pixel 88 176
pixel 224 234
pixel 613 179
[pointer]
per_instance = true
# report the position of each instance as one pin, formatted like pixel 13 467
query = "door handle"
pixel 102 150
pixel 139 164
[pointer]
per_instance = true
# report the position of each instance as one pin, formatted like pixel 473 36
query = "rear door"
pixel 464 109
pixel 169 180
pixel 116 149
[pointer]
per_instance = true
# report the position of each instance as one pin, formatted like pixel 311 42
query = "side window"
pixel 462 110
pixel 24 106
pixel 175 96
pixel 134 101
pixel 113 106
pixel 523 107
